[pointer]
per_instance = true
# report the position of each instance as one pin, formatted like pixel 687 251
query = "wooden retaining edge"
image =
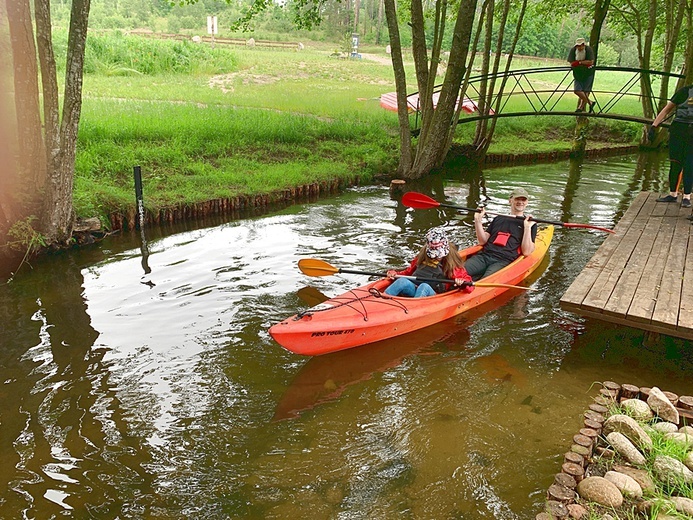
pixel 561 494
pixel 524 158
pixel 233 206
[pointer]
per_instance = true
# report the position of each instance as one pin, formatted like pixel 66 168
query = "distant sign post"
pixel 355 45
pixel 212 27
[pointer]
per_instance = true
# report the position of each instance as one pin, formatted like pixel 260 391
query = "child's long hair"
pixel 448 263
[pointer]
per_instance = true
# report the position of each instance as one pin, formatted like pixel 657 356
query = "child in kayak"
pixel 437 259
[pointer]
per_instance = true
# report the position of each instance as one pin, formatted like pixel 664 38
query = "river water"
pixel 142 383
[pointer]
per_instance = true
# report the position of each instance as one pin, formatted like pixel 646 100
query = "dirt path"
pixel 383 60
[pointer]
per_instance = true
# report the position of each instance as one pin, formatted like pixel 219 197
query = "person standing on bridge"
pixel 680 143
pixel 581 58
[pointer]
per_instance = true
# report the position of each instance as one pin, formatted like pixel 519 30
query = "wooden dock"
pixel 642 276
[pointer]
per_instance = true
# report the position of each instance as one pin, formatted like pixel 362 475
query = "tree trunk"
pixel 420 54
pixel 405 157
pixel 357 8
pixel 380 22
pixel 674 14
pixel 463 88
pixel 8 137
pixel 49 83
pixel 32 166
pixel 58 213
pixel 688 63
pixel 485 67
pixel 645 82
pixel 433 139
pixel 518 28
pixel 601 9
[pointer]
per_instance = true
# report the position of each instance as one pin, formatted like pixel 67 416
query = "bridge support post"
pixel 580 139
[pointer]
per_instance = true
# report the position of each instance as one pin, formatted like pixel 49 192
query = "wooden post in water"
pixel 138 197
pixel 580 139
pixel 140 219
pixel 397 187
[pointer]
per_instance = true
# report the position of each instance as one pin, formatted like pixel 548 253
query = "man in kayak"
pixel 505 239
pixel 438 258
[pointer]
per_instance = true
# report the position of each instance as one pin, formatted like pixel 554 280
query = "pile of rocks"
pixel 604 466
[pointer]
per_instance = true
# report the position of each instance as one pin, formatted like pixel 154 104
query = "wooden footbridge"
pixel 549 91
pixel 642 276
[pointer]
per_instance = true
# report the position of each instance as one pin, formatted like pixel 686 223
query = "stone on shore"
pixel 577 511
pixel 637 409
pixel 665 427
pixel 626 448
pixel 641 476
pixel 662 406
pixel 671 470
pixel 630 428
pixel 625 484
pixel 601 491
pixel 688 461
pixel 683 505
pixel 682 439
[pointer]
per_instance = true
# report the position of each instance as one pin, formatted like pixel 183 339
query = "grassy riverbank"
pixel 240 121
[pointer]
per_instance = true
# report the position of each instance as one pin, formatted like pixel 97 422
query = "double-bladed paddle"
pixel 416 200
pixel 315 267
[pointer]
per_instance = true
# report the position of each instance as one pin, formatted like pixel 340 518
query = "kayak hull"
pixel 365 314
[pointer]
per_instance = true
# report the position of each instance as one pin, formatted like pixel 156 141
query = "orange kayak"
pixel 366 314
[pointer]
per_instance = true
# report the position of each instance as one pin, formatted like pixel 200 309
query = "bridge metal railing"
pixel 543 91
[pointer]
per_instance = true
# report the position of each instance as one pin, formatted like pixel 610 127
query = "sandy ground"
pixel 383 60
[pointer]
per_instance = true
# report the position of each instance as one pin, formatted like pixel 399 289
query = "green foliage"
pixel 25 236
pixel 608 57
pixel 549 29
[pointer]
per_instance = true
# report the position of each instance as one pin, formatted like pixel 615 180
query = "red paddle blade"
pixel 588 226
pixel 416 200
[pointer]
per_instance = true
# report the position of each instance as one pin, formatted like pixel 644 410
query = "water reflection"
pixel 325 378
pixel 124 400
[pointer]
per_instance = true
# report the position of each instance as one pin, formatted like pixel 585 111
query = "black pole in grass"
pixel 138 197
pixel 140 223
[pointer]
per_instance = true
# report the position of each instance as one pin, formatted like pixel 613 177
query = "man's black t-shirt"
pixel 514 228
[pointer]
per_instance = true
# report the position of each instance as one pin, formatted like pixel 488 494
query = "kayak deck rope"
pixel 373 293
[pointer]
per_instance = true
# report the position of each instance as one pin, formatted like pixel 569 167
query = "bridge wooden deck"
pixel 642 276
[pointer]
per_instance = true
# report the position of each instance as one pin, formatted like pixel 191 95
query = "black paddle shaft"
pixel 417 278
pixel 540 221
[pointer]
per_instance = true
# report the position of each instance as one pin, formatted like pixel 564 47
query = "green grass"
pixel 206 123
pixel 192 153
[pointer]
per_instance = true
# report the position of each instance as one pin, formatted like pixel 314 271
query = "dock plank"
pixel 686 307
pixel 669 297
pixel 645 297
pixel 582 285
pixel 643 275
pixel 631 278
pixel 611 272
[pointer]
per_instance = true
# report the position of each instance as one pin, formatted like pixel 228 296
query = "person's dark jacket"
pixel 580 72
